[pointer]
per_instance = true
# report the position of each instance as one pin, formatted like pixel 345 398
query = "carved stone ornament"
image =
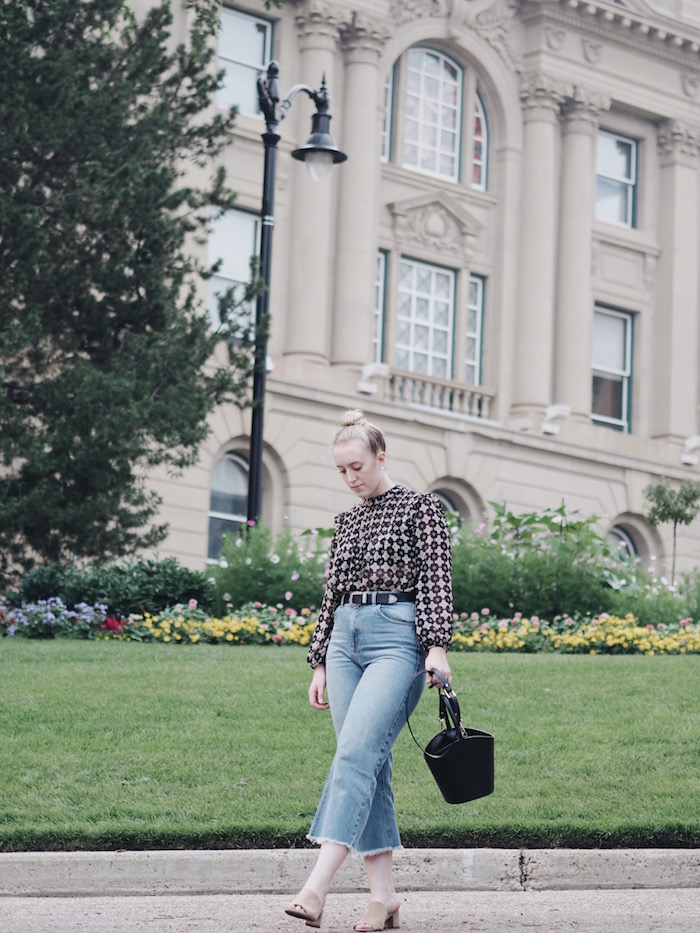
pixel 678 142
pixel 362 32
pixel 495 26
pixel 317 17
pixel 554 37
pixel 542 91
pixel 591 50
pixel 406 11
pixel 690 83
pixel 436 224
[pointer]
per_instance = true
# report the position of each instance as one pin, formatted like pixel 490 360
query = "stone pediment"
pixel 434 223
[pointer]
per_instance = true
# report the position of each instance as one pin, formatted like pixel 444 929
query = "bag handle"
pixel 449 706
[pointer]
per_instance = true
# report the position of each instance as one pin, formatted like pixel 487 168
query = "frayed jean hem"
pixel 318 841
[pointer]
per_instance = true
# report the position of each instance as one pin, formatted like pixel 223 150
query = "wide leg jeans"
pixel 373 656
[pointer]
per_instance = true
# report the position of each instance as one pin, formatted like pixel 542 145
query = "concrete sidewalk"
pixel 443 890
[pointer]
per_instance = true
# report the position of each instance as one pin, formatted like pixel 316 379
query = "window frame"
pixel 624 423
pixel 483 163
pixel 211 295
pixel 631 183
pixel 413 321
pixel 378 350
pixel 238 520
pixel 456 176
pixel 259 67
pixel 478 335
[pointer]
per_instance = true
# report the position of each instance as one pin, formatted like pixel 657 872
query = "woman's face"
pixel 361 469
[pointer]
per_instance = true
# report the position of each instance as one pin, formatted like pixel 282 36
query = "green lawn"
pixel 122 745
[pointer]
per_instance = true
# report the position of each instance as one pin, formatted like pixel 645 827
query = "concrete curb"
pixel 282 871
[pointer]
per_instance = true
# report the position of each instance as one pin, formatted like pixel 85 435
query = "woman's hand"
pixel 318 687
pixel 437 660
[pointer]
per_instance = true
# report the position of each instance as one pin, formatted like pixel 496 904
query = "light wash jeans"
pixel 373 656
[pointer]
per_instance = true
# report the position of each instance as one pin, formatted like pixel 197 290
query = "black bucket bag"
pixel 460 759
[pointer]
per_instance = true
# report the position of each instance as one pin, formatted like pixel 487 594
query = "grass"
pixel 120 745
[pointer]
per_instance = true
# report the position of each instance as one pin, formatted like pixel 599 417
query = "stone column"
pixel 311 228
pixel 675 361
pixel 358 179
pixel 532 388
pixel 574 312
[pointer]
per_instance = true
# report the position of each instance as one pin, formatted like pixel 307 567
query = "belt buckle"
pixel 392 598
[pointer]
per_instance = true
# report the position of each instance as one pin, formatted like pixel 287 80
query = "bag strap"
pixel 449 706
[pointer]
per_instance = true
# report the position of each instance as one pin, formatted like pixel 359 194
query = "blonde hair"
pixel 356 427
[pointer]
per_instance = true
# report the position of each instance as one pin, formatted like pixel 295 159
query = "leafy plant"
pixel 102 338
pixel 678 506
pixel 257 566
pixel 125 587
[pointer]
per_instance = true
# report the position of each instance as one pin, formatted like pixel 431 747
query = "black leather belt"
pixel 376 597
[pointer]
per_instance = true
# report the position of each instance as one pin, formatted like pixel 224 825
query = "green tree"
pixel 679 506
pixel 106 359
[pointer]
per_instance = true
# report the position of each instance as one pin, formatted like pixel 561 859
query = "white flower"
pixel 223 563
pixel 274 558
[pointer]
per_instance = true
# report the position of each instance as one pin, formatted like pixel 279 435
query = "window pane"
pixel 233 241
pixel 432 114
pixel 609 342
pixel 615 157
pixel 475 317
pixel 607 396
pixel 244 52
pixel 379 298
pixel 616 178
pixel 612 201
pixel 425 319
pixel 227 501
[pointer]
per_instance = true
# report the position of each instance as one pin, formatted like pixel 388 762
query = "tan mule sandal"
pixel 306 906
pixel 377 917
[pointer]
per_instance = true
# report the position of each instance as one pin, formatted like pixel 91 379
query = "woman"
pixel 386 616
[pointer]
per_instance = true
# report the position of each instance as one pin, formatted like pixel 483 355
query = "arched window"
pixel 619 540
pixel 424 98
pixel 228 500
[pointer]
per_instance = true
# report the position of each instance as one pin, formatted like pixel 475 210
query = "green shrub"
pixel 282 570
pixel 544 563
pixel 125 587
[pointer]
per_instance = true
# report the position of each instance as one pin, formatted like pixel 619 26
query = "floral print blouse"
pixel 397 541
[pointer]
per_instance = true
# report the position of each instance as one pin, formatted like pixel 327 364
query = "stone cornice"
pixel 644 31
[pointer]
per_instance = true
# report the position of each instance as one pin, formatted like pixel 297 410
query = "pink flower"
pixel 288 595
pixel 485 612
pixel 650 627
pixel 277 639
pixel 192 604
pixel 295 576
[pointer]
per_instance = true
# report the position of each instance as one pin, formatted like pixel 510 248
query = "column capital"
pixel 678 143
pixel 318 23
pixel 362 38
pixel 542 96
pixel 581 110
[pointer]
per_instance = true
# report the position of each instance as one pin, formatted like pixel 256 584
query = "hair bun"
pixel 353 416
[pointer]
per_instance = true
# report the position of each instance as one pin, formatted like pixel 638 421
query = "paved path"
pixel 630 911
pixel 441 891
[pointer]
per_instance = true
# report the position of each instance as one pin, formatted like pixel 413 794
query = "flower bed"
pixel 257 624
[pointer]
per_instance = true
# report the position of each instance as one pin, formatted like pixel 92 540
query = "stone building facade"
pixel 503 275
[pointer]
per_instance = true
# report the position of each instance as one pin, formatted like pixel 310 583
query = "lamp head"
pixel 320 151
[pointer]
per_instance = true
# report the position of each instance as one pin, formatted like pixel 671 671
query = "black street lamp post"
pixel 319 153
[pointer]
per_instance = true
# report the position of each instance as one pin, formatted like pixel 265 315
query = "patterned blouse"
pixel 396 541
